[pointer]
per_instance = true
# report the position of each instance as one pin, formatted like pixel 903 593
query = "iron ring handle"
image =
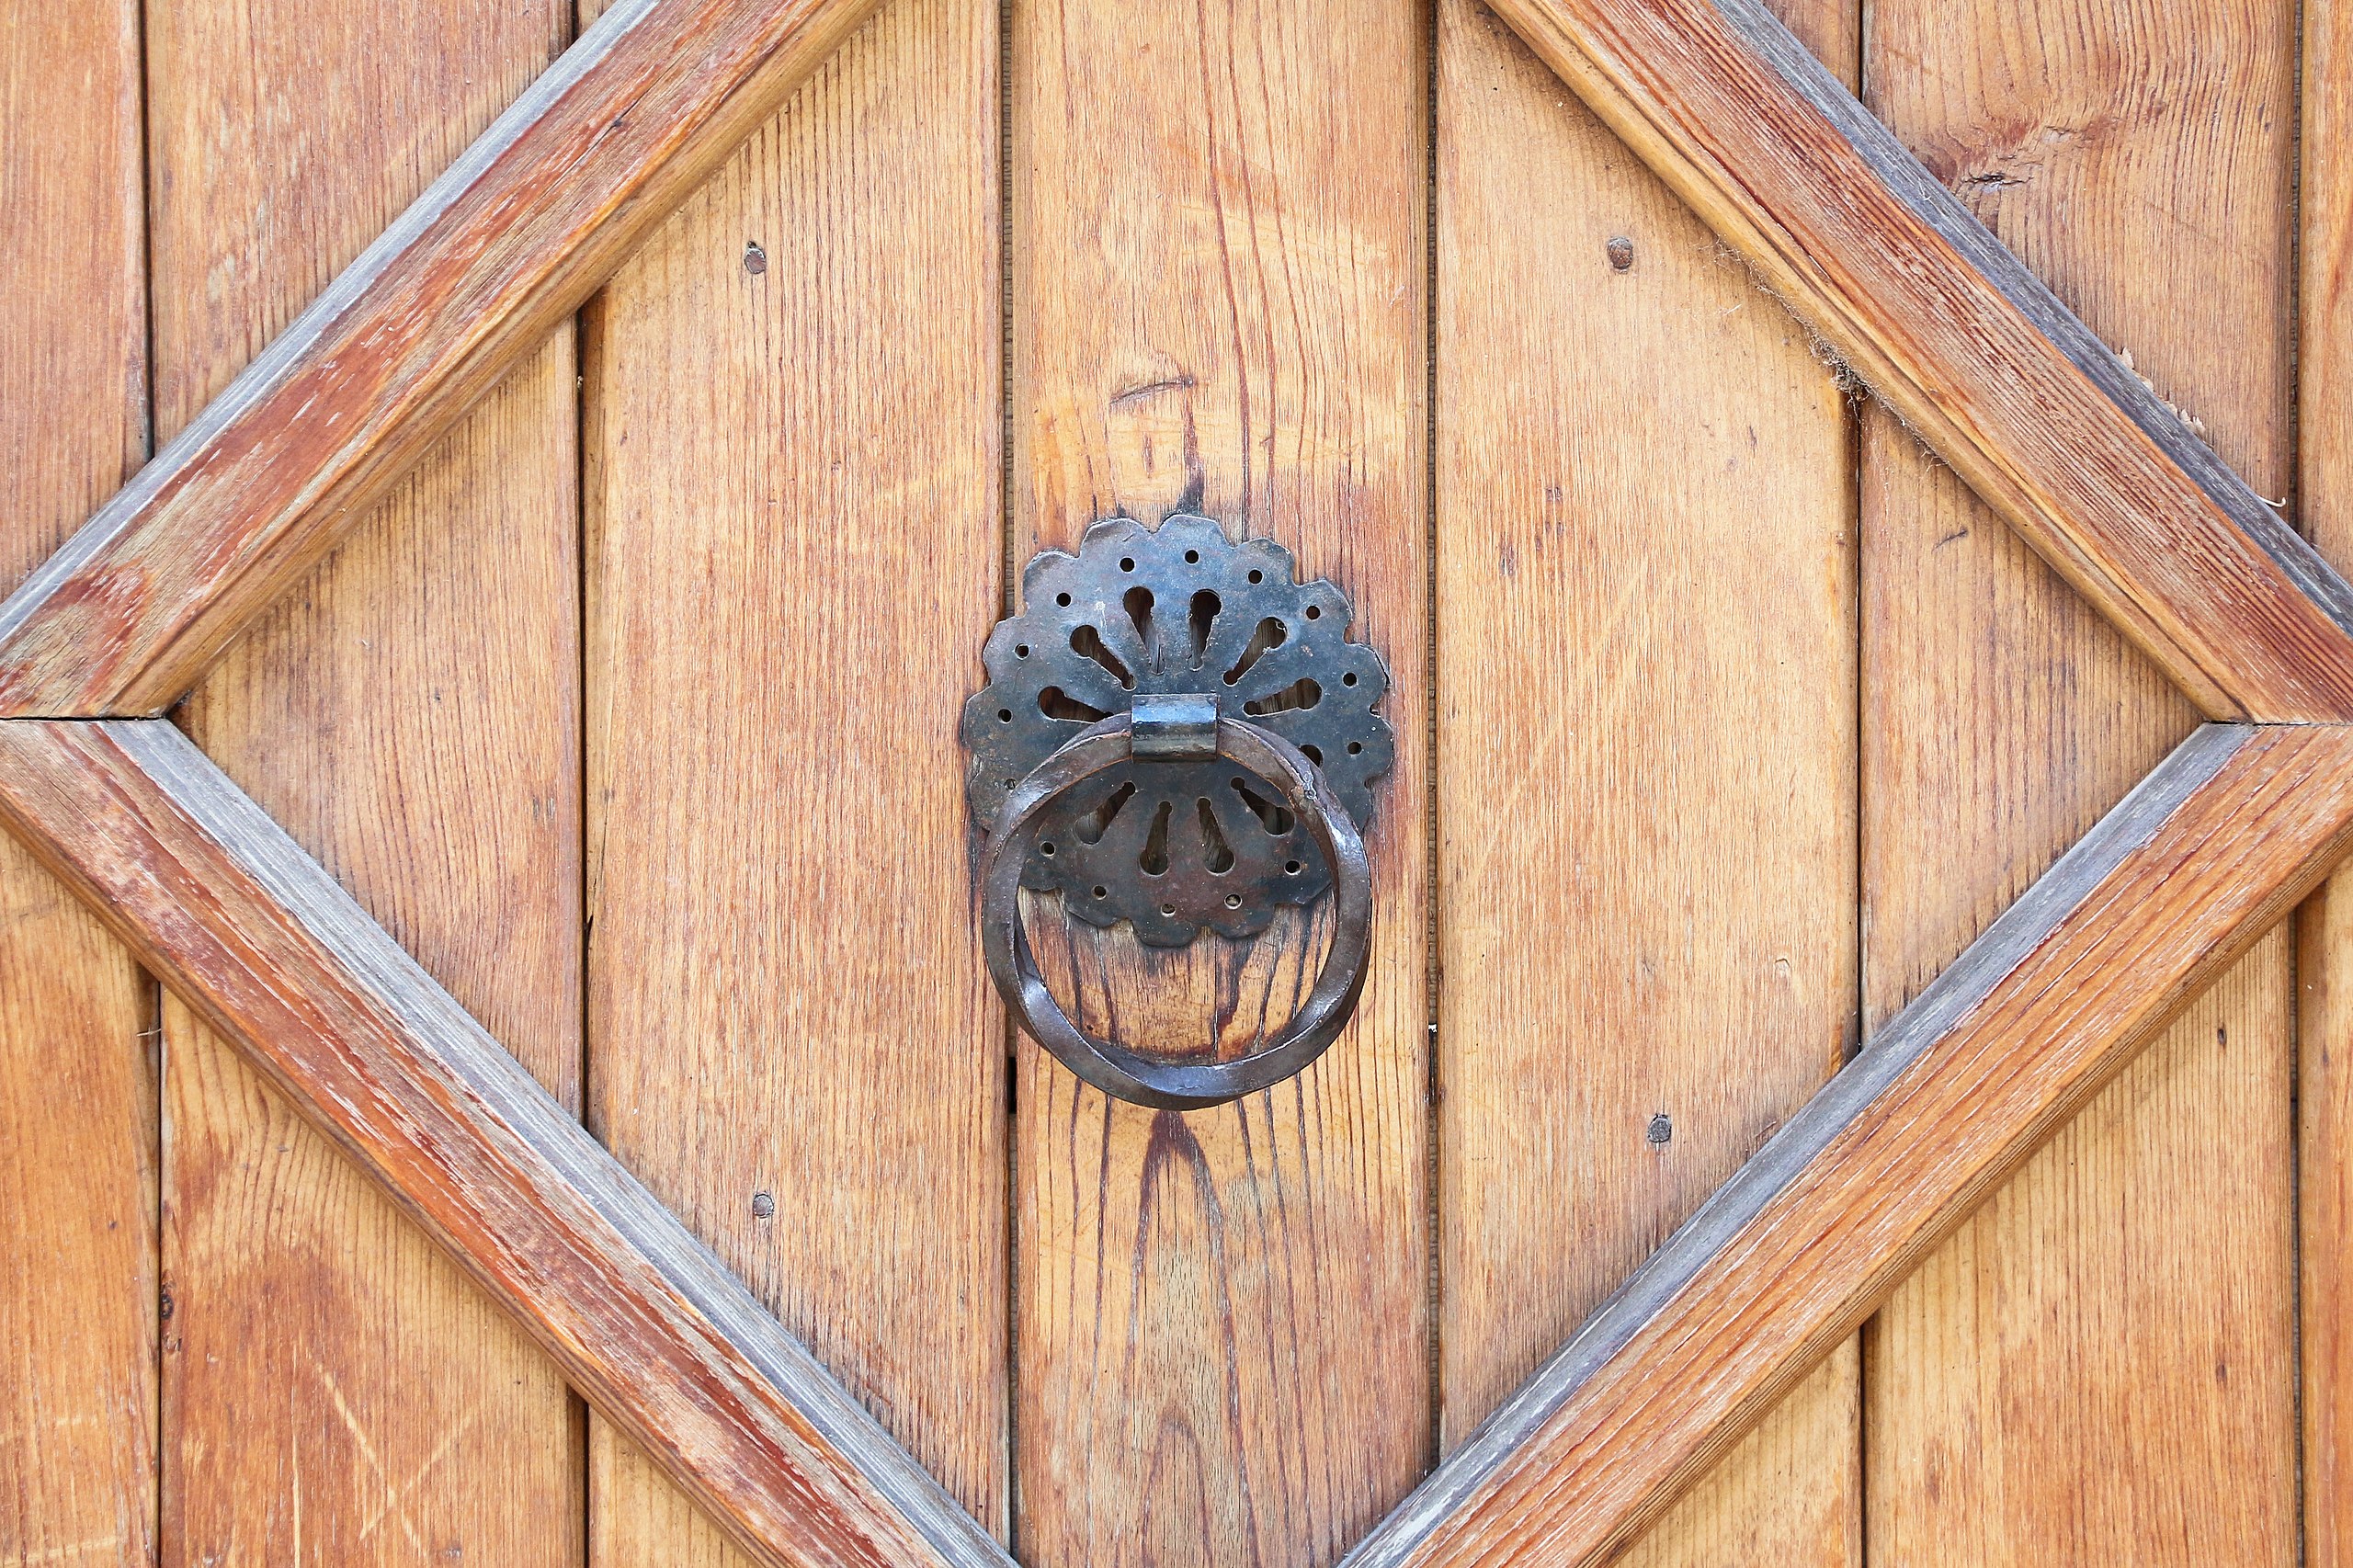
pixel 1109 1066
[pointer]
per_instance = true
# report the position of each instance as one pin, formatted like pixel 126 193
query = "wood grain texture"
pixel 1976 355
pixel 499 249
pixel 797 554
pixel 2324 927
pixel 2100 1365
pixel 1220 229
pixel 78 1131
pixel 1786 1260
pixel 333 1385
pixel 2324 1216
pixel 78 1289
pixel 1646 677
pixel 74 300
pixel 260 941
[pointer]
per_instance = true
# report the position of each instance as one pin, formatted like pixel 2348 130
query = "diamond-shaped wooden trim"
pixel 513 238
pixel 1950 329
pixel 646 1321
pixel 1782 1264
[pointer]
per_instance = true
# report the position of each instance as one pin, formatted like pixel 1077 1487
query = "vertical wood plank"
pixel 73 302
pixel 1646 733
pixel 78 1130
pixel 1220 234
pixel 334 1390
pixel 2324 925
pixel 78 1304
pixel 795 400
pixel 2324 952
pixel 2099 1368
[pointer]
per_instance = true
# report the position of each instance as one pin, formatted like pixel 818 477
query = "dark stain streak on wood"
pixel 1150 389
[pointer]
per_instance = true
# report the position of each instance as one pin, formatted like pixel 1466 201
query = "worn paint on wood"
pixel 259 939
pixel 2324 927
pixel 1782 1264
pixel 79 1298
pixel 409 713
pixel 1134 392
pixel 796 550
pixel 486 263
pixel 1220 233
pixel 1646 635
pixel 1765 1280
pixel 1968 344
pixel 2101 1363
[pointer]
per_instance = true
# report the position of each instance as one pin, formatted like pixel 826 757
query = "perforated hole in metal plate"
pixel 1177 846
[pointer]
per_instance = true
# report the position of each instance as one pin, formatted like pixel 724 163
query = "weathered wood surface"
pixel 1968 347
pixel 257 938
pixel 1220 233
pixel 1789 1258
pixel 1255 1386
pixel 2324 927
pixel 794 1043
pixel 503 246
pixel 408 712
pixel 1647 812
pixel 2324 1193
pixel 2100 1363
pixel 79 1298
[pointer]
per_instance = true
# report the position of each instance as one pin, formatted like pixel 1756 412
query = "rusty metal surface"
pixel 1104 748
pixel 1176 843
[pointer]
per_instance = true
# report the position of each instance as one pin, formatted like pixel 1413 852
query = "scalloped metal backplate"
pixel 1173 846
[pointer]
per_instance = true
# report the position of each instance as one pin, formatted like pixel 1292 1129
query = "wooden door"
pixel 591 586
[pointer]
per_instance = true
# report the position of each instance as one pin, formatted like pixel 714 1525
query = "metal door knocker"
pixel 1177 733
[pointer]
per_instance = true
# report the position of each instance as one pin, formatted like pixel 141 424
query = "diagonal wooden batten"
pixel 1791 1256
pixel 508 242
pixel 646 1322
pixel 1780 1265
pixel 1950 328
